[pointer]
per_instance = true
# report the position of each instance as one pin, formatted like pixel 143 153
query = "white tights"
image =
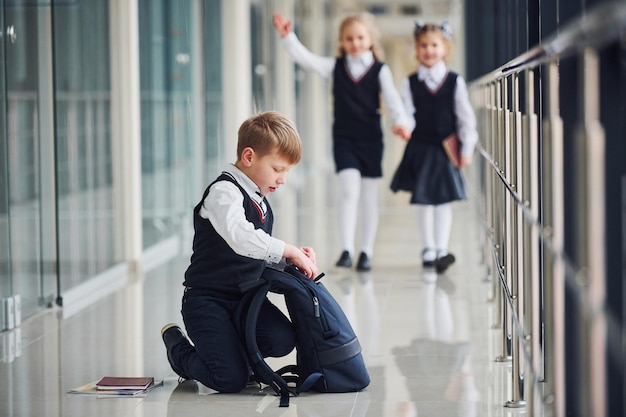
pixel 435 223
pixel 357 196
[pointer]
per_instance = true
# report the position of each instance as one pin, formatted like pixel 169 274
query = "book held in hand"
pixel 124 383
pixel 452 146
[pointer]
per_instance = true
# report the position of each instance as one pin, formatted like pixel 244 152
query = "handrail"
pixel 522 190
pixel 596 28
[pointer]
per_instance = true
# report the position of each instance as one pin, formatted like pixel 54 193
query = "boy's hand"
pixel 302 260
pixel 282 25
pixel 310 253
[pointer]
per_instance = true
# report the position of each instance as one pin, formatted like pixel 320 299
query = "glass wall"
pixel 83 140
pixel 211 42
pixel 169 90
pixel 5 252
pixel 26 205
pixel 180 44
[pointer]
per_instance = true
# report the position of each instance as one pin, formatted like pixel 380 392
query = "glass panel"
pixel 170 103
pixel 5 252
pixel 83 140
pixel 27 58
pixel 212 30
pixel 261 57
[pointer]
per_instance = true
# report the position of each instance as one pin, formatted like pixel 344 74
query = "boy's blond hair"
pixel 268 132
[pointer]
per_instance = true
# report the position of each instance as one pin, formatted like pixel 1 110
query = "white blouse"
pixel 223 207
pixel 433 77
pixel 357 66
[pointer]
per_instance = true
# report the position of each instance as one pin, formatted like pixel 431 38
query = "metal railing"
pixel 522 191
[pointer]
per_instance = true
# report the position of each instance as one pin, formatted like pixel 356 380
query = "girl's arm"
pixel 465 119
pixel 323 65
pixel 407 100
pixel 393 102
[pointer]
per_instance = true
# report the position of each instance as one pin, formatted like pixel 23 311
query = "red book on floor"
pixel 452 146
pixel 124 382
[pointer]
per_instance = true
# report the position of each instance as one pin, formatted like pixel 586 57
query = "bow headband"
pixel 444 26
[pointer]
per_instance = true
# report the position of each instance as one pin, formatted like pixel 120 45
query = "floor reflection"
pixel 437 363
pixel 358 300
pixel 425 338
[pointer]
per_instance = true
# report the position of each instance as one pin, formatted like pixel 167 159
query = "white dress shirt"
pixel 223 207
pixel 357 67
pixel 433 77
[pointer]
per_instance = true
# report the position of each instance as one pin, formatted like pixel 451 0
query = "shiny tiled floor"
pixel 427 339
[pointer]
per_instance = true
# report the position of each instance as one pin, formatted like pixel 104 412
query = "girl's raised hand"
pixel 282 25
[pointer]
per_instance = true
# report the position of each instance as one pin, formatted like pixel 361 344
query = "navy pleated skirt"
pixel 427 173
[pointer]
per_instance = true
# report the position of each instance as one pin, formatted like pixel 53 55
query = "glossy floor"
pixel 427 340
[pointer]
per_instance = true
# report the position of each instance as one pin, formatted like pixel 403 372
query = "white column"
pixel 47 167
pixel 315 125
pixel 315 91
pixel 284 84
pixel 125 130
pixel 284 202
pixel 236 73
pixel 198 106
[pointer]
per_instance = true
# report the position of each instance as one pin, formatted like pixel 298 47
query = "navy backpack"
pixel 328 353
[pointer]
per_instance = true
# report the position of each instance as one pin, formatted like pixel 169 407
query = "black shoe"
pixel 172 334
pixel 345 259
pixel 364 263
pixel 444 262
pixel 430 262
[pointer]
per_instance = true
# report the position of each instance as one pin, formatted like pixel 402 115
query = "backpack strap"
pixel 261 368
pixel 308 383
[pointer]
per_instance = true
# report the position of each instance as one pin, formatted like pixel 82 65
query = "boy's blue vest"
pixel 214 265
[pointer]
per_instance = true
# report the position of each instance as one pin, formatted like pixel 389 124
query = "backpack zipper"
pixel 317 311
pixel 316 306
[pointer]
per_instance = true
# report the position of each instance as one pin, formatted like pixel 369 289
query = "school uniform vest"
pixel 356 103
pixel 215 267
pixel 434 110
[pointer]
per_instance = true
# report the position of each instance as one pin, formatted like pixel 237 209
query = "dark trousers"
pixel 217 357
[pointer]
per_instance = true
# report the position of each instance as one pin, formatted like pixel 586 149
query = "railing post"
pixel 591 245
pixel 487 173
pixel 516 254
pixel 554 271
pixel 503 223
pixel 532 303
pixel 495 203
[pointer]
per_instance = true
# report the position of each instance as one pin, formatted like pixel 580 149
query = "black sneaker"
pixel 364 263
pixel 444 262
pixel 345 260
pixel 172 334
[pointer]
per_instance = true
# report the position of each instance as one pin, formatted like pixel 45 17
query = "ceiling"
pixel 393 17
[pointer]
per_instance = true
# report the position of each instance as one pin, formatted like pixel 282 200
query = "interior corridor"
pixel 428 340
